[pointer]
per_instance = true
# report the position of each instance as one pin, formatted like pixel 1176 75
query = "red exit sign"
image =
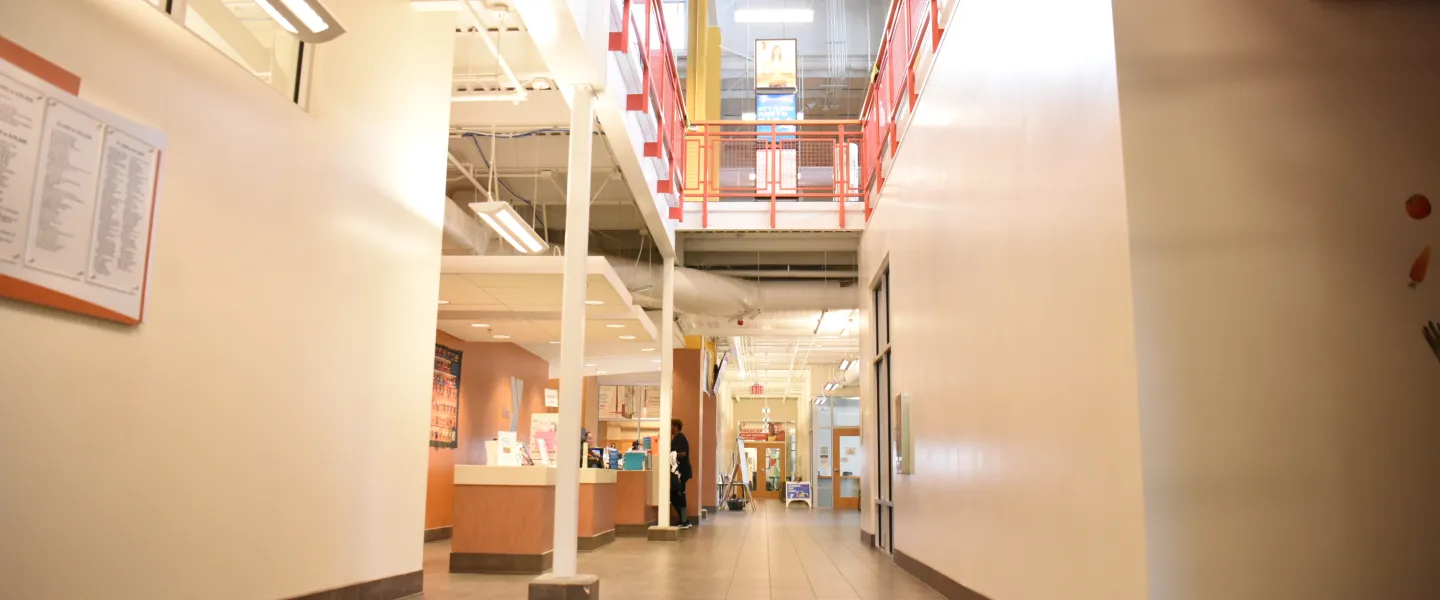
pixel 757 389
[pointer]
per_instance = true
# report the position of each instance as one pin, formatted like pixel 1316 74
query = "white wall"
pixel 1005 228
pixel 263 434
pixel 1288 397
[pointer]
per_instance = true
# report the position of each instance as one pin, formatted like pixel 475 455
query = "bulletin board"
pixel 445 399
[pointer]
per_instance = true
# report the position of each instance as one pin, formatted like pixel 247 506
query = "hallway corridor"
pixel 767 554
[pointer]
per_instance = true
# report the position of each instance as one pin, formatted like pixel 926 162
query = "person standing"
pixel 680 472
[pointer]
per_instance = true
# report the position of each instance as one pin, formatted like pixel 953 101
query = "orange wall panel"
pixel 485 374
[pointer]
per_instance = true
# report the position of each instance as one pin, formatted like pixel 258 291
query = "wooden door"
pixel 849 462
pixel 771 465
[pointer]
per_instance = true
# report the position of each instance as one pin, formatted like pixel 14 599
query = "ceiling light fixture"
pixel 591 365
pixel 647 349
pixel 444 301
pixel 845 364
pixel 554 342
pixel 479 325
pixel 307 19
pixel 627 337
pixel 502 217
pixel 594 302
pixel 615 326
pixel 774 15
pixel 502 336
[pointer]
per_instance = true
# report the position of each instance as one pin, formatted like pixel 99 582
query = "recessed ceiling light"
pixel 600 372
pixel 656 360
pixel 554 342
pixel 444 301
pixel 479 324
pixel 502 337
pixel 594 302
pixel 615 326
pixel 647 349
pixel 627 337
pixel 592 365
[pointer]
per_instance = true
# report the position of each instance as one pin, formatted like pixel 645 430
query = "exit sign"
pixel 757 389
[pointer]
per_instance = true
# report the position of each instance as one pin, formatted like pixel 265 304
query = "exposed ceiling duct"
pixel 701 292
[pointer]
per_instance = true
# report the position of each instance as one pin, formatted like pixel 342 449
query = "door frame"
pixel 839 502
pixel 760 448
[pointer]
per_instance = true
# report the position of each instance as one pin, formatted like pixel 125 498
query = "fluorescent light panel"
pixel 307 19
pixel 774 15
pixel 501 217
pixel 845 364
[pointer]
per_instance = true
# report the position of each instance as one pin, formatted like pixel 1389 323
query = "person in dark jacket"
pixel 680 472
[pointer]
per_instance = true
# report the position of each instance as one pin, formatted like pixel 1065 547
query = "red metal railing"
pixel 911 22
pixel 778 161
pixel 748 160
pixel 660 93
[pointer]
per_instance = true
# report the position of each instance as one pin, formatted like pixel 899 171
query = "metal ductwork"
pixel 464 234
pixel 701 292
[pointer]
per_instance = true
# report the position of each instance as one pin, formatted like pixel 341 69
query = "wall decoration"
pixel 1417 207
pixel 445 399
pixel 775 64
pixel 544 428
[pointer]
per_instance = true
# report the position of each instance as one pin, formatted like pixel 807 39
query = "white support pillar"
pixel 667 386
pixel 572 333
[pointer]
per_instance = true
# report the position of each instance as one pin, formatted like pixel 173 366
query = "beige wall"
pixel 263 434
pixel 1289 401
pixel 1005 227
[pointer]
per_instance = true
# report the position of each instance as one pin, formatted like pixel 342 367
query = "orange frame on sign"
pixel 25 291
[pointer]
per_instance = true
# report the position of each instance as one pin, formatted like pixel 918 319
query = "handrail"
pixel 660 94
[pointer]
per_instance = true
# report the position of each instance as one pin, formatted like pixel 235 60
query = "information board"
pixel 445 399
pixel 78 187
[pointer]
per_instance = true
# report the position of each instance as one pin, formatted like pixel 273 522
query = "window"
pixel 241 30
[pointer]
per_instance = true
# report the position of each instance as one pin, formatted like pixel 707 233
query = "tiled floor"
pixel 767 554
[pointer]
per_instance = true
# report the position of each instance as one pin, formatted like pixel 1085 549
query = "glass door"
pixel 849 464
pixel 769 477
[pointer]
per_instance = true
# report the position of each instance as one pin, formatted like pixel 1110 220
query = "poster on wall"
pixel 760 431
pixel 445 399
pixel 616 403
pixel 775 64
pixel 652 401
pixel 543 428
pixel 552 398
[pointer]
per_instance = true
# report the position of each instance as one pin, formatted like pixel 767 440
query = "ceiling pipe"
pixel 704 293
pixel 787 273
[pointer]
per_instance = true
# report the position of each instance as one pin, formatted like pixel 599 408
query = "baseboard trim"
pixel 945 586
pixel 595 542
pixel 867 538
pixel 394 587
pixel 634 529
pixel 509 564
pixel 438 533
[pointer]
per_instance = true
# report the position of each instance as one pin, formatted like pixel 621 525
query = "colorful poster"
pixel 760 431
pixel 797 490
pixel 775 64
pixel 543 428
pixel 445 399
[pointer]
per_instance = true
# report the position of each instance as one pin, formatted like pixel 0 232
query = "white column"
pixel 572 333
pixel 667 386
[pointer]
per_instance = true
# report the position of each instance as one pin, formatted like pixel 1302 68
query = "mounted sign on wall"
pixel 78 189
pixel 775 64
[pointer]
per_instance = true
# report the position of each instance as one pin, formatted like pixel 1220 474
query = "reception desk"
pixel 505 517
pixel 597 508
pixel 635 502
